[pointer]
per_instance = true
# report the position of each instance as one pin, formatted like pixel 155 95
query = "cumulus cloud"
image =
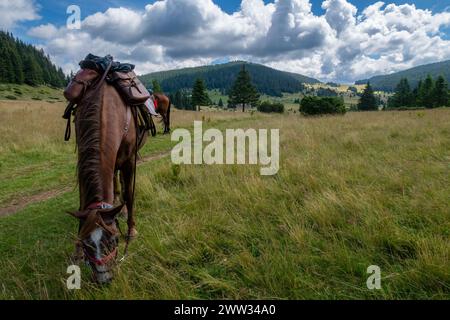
pixel 343 44
pixel 295 29
pixel 13 12
pixel 44 31
pixel 339 14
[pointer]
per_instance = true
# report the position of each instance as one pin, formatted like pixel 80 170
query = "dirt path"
pixel 19 204
pixel 154 157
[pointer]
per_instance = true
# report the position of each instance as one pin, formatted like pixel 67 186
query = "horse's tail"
pixel 168 116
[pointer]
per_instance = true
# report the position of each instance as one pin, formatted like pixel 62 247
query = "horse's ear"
pixel 109 215
pixel 79 214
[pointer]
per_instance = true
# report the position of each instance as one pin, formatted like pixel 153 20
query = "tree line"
pixel 22 63
pixel 243 93
pixel 221 77
pixel 429 93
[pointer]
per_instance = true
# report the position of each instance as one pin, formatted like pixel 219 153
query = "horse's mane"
pixel 88 126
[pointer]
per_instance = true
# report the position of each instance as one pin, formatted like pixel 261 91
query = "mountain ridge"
pixel 268 80
pixel 388 82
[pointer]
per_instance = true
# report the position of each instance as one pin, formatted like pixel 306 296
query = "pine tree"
pixel 17 66
pixel 415 93
pixel 6 68
pixel 220 104
pixel 199 95
pixel 32 72
pixel 441 92
pixel 243 91
pixel 156 86
pixel 426 93
pixel 403 96
pixel 187 101
pixel 368 101
pixel 21 63
pixel 178 100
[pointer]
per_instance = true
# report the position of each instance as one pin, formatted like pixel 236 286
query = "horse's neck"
pixel 100 138
pixel 114 124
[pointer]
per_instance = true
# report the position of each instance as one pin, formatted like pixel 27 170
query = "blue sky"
pixel 328 41
pixel 54 11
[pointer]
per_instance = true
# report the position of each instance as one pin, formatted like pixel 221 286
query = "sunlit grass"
pixel 352 191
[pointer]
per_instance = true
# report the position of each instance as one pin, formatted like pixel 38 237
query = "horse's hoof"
pixel 132 233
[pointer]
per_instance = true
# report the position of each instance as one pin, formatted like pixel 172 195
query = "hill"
pixel 22 63
pixel 390 81
pixel 24 92
pixel 268 81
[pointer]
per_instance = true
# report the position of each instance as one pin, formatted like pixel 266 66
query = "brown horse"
pixel 107 143
pixel 163 109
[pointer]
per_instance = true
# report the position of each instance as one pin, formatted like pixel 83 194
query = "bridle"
pixel 114 253
pixel 103 261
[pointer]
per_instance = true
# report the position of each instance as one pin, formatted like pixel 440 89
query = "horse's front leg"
pixel 117 189
pixel 127 173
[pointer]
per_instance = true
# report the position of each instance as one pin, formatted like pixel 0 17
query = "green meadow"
pixel 352 191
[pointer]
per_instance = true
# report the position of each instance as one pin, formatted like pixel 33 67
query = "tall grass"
pixel 352 191
pixel 34 156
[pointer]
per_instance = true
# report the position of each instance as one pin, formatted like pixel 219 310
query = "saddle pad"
pixel 150 104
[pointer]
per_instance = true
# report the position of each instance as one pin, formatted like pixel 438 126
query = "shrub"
pixel 327 105
pixel 10 97
pixel 269 107
pixel 326 92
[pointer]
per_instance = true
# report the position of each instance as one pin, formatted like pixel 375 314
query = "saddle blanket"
pixel 150 104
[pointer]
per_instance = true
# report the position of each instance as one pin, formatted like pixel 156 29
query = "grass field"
pixel 26 92
pixel 290 100
pixel 352 191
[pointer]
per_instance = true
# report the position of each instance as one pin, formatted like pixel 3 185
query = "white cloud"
pixel 13 12
pixel 340 14
pixel 342 44
pixel 295 30
pixel 120 24
pixel 44 31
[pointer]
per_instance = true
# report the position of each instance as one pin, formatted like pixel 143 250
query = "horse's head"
pixel 99 240
pixel 79 84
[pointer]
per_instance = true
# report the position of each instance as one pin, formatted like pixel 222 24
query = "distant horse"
pixel 107 141
pixel 163 109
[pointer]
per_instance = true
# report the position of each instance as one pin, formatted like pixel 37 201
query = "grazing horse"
pixel 107 142
pixel 163 109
